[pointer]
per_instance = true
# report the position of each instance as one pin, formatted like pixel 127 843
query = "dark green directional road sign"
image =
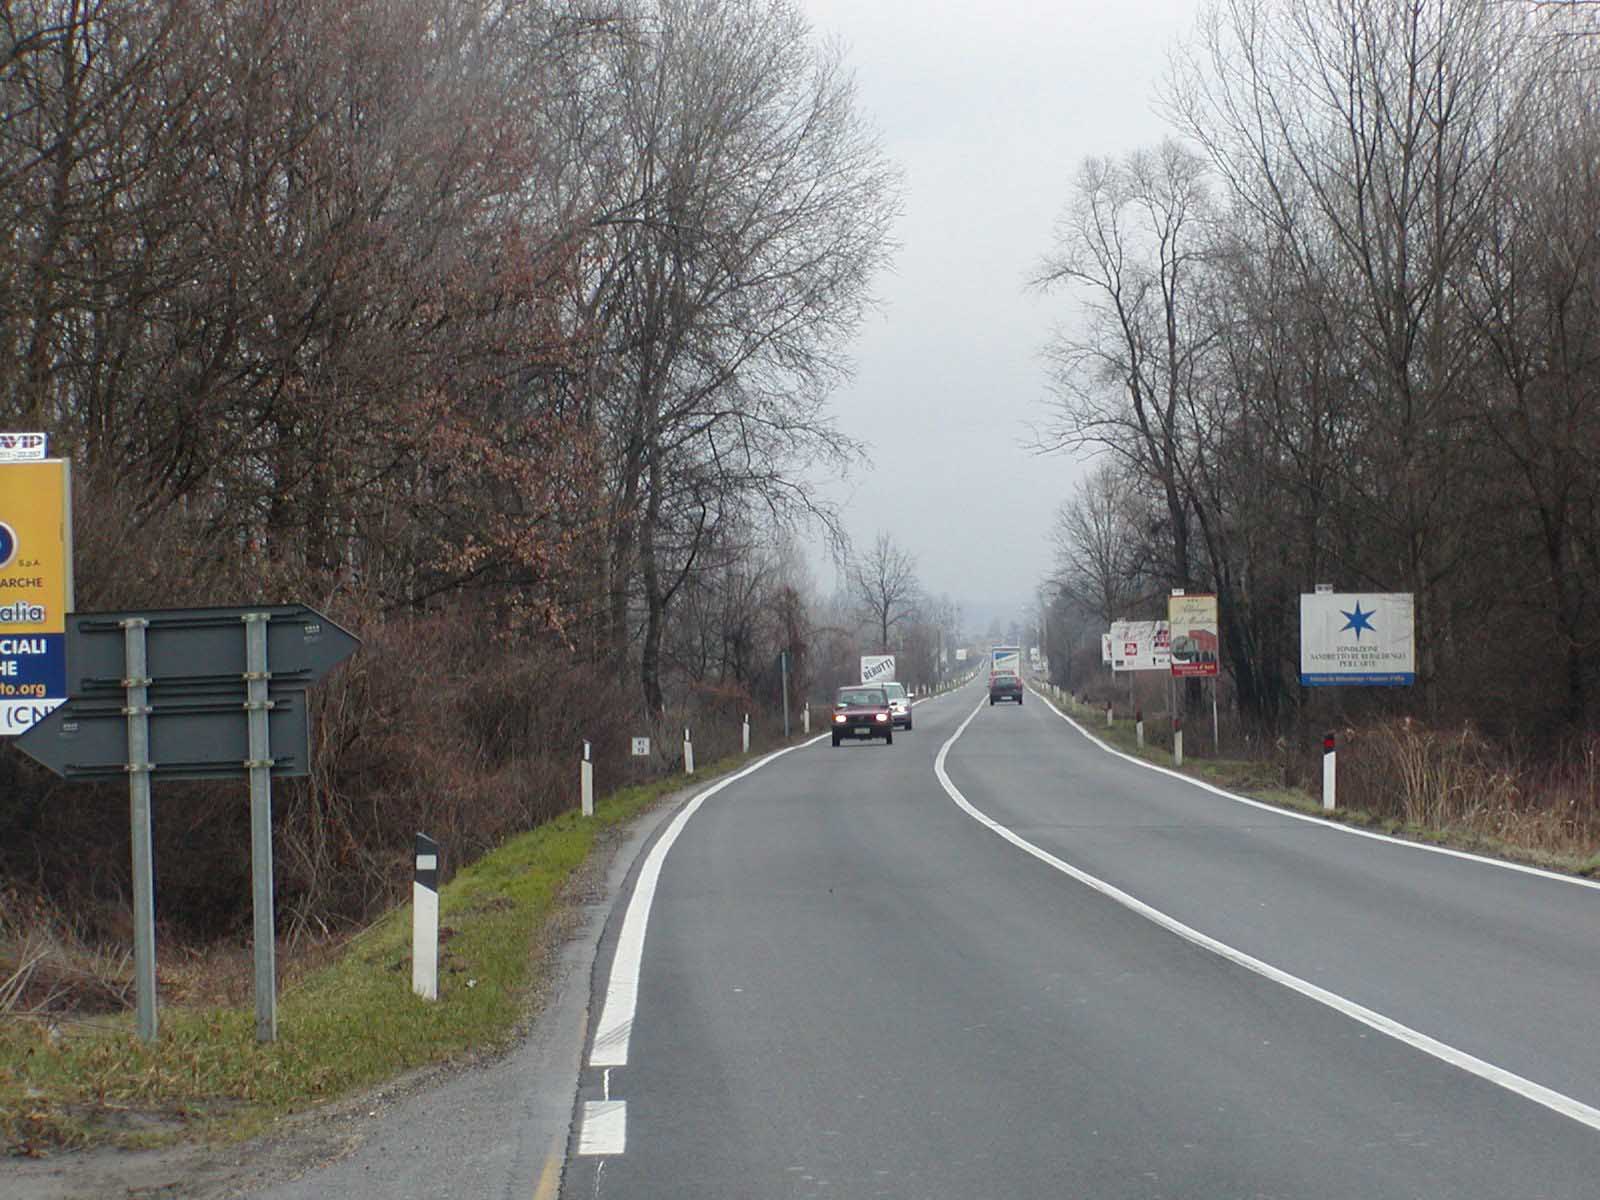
pixel 191 737
pixel 192 693
pixel 203 649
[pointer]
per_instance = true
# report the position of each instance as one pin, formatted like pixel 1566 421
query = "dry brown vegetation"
pixel 1343 327
pixel 500 334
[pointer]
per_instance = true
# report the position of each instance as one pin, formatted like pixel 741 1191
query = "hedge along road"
pixel 852 986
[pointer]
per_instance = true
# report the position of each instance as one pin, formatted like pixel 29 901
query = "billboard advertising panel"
pixel 1357 638
pixel 877 668
pixel 35 591
pixel 1140 646
pixel 1193 621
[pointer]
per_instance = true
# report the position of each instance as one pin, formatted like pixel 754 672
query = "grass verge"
pixel 1260 781
pixel 344 1028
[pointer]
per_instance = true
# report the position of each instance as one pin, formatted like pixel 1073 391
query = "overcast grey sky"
pixel 988 108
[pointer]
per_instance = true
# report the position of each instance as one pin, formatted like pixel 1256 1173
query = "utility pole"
pixel 783 667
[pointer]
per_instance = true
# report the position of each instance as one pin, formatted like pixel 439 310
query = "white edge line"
pixel 1565 1105
pixel 612 1034
pixel 1321 822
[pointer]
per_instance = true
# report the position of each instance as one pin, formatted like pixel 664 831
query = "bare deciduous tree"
pixel 754 210
pixel 884 583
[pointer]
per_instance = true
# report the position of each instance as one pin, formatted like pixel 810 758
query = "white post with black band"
pixel 425 920
pixel 688 753
pixel 586 780
pixel 1330 772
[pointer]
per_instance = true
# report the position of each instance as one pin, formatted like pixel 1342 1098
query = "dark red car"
pixel 1005 686
pixel 862 712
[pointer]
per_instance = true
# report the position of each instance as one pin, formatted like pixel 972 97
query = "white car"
pixel 899 704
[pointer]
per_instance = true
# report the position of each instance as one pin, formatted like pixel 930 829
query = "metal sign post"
pixel 264 936
pixel 137 711
pixel 158 693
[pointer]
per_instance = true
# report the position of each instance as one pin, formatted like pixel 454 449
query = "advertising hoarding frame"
pixel 35 574
pixel 1333 652
pixel 1140 646
pixel 1192 619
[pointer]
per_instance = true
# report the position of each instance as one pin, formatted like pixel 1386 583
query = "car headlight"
pixel 883 716
pixel 839 718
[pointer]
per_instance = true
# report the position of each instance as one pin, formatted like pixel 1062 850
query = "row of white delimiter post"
pixel 425 880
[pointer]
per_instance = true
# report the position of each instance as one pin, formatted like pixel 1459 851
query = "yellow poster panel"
pixel 35 547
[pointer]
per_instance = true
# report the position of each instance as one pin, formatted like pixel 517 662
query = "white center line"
pixel 1526 1088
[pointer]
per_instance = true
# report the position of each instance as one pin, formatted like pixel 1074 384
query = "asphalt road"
pixel 995 960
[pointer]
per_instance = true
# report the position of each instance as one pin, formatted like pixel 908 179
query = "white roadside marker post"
pixel 805 718
pixel 586 780
pixel 1330 773
pixel 1138 727
pixel 688 753
pixel 745 733
pixel 1177 741
pixel 425 920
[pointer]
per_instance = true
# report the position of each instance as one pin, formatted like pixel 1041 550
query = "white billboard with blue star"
pixel 1358 638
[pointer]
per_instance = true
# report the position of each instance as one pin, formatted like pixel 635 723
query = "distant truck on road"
pixel 1005 660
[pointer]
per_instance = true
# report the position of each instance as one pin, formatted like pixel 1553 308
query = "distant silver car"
pixel 899 703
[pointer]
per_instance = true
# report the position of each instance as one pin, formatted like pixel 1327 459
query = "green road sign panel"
pixel 203 649
pixel 191 737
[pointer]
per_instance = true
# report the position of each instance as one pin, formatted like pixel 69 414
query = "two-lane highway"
pixel 866 971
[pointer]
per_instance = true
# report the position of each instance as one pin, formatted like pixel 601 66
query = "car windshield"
pixel 862 697
pixel 895 691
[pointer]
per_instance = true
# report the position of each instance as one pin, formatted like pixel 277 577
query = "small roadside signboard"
pixel 1192 621
pixel 1140 646
pixel 877 668
pixel 641 747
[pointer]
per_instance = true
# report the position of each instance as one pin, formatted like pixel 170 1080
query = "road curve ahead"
pixel 1026 967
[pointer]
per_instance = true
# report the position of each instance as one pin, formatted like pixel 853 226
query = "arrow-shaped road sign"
pixel 203 649
pixel 191 737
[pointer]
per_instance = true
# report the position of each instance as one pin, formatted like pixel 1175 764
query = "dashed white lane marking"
pixel 1526 1088
pixel 622 988
pixel 605 1127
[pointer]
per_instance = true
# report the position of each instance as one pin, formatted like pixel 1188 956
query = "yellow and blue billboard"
pixel 35 590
